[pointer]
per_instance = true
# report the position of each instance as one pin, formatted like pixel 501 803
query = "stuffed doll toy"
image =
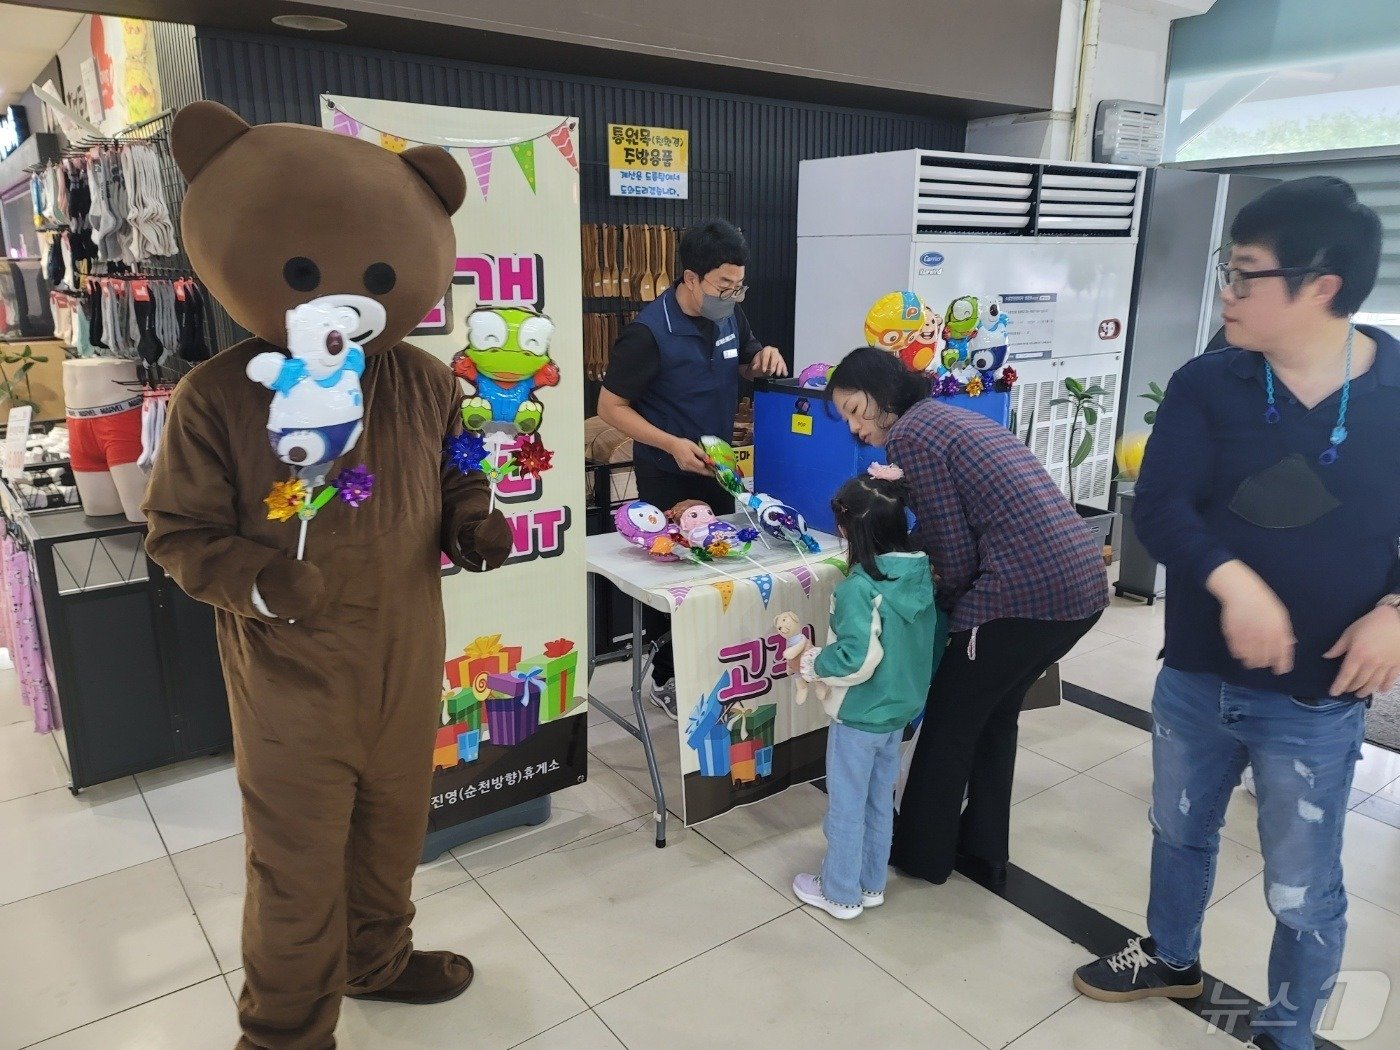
pixel 330 250
pixel 790 627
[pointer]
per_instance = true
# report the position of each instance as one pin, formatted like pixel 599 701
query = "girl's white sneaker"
pixel 871 900
pixel 808 889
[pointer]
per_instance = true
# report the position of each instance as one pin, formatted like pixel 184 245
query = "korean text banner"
pixel 743 737
pixel 513 723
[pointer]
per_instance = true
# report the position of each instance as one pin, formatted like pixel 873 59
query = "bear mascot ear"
pixel 201 130
pixel 443 175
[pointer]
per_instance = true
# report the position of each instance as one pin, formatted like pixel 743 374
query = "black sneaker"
pixel 1136 973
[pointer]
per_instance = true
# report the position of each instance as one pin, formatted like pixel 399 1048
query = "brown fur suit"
pixel 334 713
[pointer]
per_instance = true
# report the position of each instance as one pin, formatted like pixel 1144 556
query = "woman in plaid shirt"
pixel 1022 579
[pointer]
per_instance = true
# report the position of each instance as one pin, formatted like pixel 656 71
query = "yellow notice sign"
pixel 648 162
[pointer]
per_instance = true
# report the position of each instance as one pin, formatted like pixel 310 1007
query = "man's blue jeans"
pixel 861 771
pixel 1303 755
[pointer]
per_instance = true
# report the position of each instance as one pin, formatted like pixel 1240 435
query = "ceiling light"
pixel 310 23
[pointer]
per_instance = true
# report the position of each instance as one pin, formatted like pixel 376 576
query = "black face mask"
pixel 1288 495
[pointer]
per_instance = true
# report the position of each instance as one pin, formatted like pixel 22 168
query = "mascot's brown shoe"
pixel 429 977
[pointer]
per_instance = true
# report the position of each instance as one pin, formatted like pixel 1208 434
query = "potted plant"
pixel 1084 416
pixel 1139 574
pixel 26 359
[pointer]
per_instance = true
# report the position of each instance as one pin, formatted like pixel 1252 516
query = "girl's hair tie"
pixel 885 472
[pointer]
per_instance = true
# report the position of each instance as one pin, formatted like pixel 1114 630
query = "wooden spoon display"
pixel 646 291
pixel 625 264
pixel 666 253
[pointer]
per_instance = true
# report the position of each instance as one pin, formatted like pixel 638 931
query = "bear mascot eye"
pixel 302 274
pixel 534 335
pixel 486 331
pixel 380 278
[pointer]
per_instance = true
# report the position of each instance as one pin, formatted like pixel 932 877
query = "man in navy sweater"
pixel 1271 492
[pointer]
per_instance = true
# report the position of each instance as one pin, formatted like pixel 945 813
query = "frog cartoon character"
pixel 961 328
pixel 506 361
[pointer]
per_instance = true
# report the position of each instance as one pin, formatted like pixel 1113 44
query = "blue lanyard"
pixel 1339 432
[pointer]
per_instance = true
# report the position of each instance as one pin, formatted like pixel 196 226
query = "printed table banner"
pixel 742 735
pixel 514 723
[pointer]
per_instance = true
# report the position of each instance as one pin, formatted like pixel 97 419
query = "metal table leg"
pixel 640 729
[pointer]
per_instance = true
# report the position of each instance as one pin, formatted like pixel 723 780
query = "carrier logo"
pixel 1110 329
pixel 931 259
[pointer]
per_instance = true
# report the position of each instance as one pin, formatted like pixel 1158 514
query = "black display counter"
pixel 132 658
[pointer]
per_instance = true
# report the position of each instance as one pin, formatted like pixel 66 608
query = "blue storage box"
pixel 803 450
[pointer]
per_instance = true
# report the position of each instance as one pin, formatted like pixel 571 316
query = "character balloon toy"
pixel 961 319
pixel 815 377
pixel 317 410
pixel 784 523
pixel 924 351
pixel 700 530
pixel 893 320
pixel 988 349
pixel 645 526
pixel 506 361
pixel 725 462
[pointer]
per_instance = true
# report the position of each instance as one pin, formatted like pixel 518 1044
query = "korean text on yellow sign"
pixel 648 162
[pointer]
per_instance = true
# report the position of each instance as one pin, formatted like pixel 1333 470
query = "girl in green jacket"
pixel 877 667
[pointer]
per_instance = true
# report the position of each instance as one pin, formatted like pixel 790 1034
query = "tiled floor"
pixel 120 909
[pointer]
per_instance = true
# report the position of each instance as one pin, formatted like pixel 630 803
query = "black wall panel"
pixel 759 141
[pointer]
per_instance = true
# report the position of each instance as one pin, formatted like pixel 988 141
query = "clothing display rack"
pixel 105 239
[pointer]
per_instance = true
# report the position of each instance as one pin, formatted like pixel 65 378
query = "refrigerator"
pixel 1039 256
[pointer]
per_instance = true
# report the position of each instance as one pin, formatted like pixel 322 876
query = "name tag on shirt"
pixel 731 353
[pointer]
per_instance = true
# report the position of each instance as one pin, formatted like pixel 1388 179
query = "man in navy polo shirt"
pixel 673 378
pixel 1271 492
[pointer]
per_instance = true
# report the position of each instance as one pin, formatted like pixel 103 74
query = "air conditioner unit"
pixel 1129 133
pixel 1053 245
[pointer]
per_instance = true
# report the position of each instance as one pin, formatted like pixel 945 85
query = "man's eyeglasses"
pixel 736 293
pixel 1237 280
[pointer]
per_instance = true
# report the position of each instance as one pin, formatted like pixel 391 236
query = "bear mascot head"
pixel 377 235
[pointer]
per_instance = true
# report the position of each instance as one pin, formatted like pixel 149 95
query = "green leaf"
pixel 1060 401
pixel 1091 414
pixel 1149 418
pixel 1073 385
pixel 1096 391
pixel 1157 391
pixel 19 372
pixel 40 360
pixel 1082 452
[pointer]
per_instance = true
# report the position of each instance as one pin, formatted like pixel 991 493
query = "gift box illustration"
pixel 745 751
pixel 760 724
pixel 461 708
pixel 513 708
pixel 745 772
pixel 560 667
pixel 713 750
pixel 707 735
pixel 484 656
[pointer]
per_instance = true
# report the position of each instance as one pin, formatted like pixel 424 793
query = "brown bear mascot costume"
pixel 333 661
